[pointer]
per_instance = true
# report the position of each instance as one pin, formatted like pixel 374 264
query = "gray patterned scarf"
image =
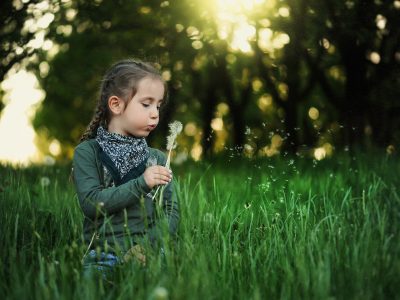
pixel 126 152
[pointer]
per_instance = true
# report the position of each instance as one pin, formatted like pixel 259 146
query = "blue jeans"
pixel 100 263
pixel 105 263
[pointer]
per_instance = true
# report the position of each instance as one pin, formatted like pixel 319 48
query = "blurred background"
pixel 254 78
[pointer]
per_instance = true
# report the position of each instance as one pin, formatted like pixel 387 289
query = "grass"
pixel 273 228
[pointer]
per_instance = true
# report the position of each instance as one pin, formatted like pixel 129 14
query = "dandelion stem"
pixel 155 193
pixel 167 165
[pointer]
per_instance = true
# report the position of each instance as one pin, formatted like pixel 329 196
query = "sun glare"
pixel 237 26
pixel 234 23
pixel 16 132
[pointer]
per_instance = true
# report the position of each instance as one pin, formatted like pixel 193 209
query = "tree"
pixel 91 36
pixel 14 35
pixel 366 35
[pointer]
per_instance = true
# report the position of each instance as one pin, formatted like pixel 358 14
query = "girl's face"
pixel 141 115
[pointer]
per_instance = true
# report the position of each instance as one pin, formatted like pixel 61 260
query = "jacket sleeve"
pixel 92 194
pixel 170 202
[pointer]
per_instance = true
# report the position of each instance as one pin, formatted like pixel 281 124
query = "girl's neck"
pixel 112 128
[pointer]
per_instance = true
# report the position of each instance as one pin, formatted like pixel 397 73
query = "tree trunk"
pixel 356 90
pixel 209 101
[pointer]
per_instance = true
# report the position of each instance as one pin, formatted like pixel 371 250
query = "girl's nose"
pixel 154 113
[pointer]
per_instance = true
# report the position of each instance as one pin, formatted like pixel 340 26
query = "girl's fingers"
pixel 162 179
pixel 165 176
pixel 162 175
pixel 166 179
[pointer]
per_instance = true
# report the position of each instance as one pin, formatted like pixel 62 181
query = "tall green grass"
pixel 273 228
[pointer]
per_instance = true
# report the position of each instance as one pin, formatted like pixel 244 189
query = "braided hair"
pixel 121 80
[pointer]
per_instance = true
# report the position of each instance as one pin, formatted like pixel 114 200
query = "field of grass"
pixel 276 228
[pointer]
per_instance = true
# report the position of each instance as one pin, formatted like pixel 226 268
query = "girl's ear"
pixel 116 105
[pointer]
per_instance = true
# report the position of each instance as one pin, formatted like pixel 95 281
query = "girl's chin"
pixel 142 133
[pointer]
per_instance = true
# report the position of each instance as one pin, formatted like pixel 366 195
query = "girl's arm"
pixel 92 194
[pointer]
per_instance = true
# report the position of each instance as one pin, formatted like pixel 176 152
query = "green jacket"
pixel 118 214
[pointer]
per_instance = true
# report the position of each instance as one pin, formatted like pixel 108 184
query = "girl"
pixel 115 171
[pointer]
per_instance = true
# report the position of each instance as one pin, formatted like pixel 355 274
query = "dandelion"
pixel 390 150
pixel 49 160
pixel 160 293
pixel 208 218
pixel 44 181
pixel 264 187
pixel 175 128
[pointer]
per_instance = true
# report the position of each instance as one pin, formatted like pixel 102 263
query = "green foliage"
pixel 272 228
pixel 13 36
pixel 101 35
pixel 325 63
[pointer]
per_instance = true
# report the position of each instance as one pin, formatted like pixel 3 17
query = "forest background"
pixel 255 77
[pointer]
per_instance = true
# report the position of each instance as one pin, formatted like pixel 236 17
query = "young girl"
pixel 115 171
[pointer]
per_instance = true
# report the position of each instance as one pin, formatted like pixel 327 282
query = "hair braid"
pixel 99 118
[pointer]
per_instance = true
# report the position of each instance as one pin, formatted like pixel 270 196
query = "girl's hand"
pixel 137 252
pixel 156 175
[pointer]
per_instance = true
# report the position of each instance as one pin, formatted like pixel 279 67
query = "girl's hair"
pixel 121 80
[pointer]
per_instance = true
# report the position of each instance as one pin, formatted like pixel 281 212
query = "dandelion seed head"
pixel 171 142
pixel 390 149
pixel 44 181
pixel 208 218
pixel 175 128
pixel 49 160
pixel 160 293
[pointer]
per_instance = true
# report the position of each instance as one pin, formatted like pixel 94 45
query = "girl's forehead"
pixel 150 83
pixel 150 88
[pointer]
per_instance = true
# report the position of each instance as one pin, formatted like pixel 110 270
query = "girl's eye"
pixel 146 105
